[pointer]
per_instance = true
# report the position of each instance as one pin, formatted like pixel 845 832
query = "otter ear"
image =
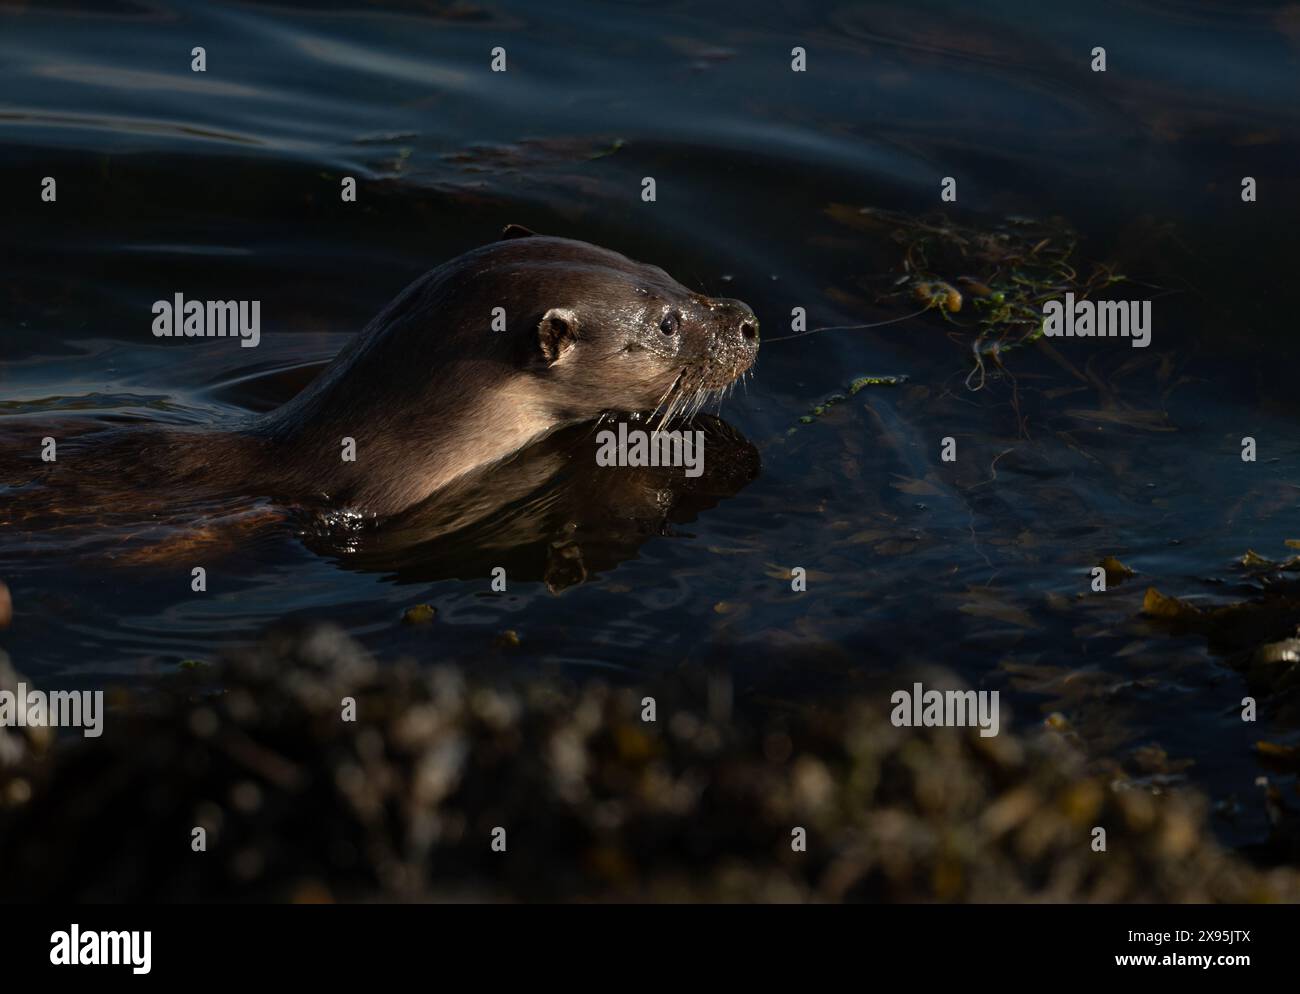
pixel 515 231
pixel 557 333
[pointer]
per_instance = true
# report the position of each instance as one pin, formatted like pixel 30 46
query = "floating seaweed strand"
pixel 1020 267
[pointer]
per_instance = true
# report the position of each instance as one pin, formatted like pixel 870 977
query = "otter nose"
pixel 742 319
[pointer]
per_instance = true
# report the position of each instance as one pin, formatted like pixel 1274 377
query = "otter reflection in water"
pixel 549 513
pixel 450 418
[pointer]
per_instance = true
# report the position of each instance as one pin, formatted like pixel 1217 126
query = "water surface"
pixel 225 184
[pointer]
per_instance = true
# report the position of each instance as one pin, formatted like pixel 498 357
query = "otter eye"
pixel 669 324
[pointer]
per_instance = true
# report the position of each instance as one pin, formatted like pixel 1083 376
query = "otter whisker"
pixel 683 401
pixel 849 327
pixel 700 398
pixel 670 398
pixel 671 387
pixel 668 413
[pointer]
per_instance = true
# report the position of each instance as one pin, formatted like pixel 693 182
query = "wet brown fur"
pixel 429 392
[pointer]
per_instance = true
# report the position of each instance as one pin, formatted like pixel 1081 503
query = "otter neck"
pixel 401 459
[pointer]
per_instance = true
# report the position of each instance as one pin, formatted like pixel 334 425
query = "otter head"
pixel 489 352
pixel 612 334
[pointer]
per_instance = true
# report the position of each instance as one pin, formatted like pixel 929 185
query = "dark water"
pixel 225 184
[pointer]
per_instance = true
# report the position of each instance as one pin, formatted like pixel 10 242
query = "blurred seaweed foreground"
pixel 598 805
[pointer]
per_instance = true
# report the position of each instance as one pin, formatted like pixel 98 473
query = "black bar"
pixel 1054 944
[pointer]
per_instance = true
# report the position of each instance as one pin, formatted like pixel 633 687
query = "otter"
pixel 550 512
pixel 430 392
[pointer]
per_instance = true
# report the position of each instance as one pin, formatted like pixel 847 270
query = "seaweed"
pixel 997 279
pixel 855 386
pixel 420 614
pixel 601 803
pixel 1257 637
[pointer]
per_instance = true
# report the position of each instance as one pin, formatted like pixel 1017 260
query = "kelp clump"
pixel 593 801
pixel 855 386
pixel 1259 636
pixel 990 283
